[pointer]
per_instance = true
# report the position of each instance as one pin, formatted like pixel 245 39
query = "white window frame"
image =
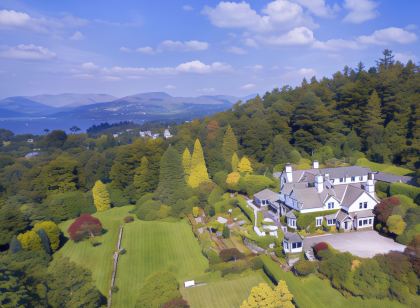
pixel 318 221
pixel 330 205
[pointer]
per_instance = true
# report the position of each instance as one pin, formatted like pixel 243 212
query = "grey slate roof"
pixel 290 214
pixel 308 175
pixel 292 237
pixel 365 213
pixel 392 178
pixel 267 194
pixel 352 193
pixel 341 216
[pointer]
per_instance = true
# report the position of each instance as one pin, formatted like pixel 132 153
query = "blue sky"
pixel 193 47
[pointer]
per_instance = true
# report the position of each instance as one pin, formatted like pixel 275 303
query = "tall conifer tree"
pixel 186 163
pixel 235 162
pixel 101 197
pixel 371 118
pixel 172 187
pixel 198 173
pixel 142 177
pixel 230 146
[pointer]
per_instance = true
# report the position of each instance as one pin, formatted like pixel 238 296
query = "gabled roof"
pixel 342 216
pixel 267 194
pixel 292 237
pixel 364 214
pixel 290 214
pixel 392 178
pixel 351 195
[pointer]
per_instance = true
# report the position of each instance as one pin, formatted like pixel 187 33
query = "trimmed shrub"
pixel 308 219
pixel 320 246
pixel 85 226
pixel 305 267
pixel 128 219
pixel 404 189
pixel 230 254
pixel 176 303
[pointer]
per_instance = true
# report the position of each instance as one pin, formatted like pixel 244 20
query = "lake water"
pixel 36 126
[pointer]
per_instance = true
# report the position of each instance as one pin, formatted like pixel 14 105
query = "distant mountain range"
pixel 103 107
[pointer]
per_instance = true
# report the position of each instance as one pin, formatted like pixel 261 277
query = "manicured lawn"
pixel 97 259
pixel 156 246
pixel 223 293
pixel 315 292
pixel 383 167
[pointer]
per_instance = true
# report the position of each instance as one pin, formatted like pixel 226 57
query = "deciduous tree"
pixel 244 165
pixel 101 197
pixel 30 240
pixel 52 230
pixel 198 173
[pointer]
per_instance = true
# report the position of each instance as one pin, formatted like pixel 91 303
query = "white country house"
pixel 349 190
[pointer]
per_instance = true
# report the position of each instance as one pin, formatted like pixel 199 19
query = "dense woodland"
pixel 373 113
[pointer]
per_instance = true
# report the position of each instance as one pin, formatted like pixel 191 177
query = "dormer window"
pixel 330 205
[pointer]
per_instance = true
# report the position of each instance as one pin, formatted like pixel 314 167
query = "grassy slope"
pixel 224 293
pixel 383 167
pixel 315 292
pixel 97 259
pixel 156 246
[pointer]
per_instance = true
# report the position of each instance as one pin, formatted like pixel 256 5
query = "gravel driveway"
pixel 364 244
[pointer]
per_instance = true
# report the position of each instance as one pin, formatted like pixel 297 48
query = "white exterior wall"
pixel 347 180
pixel 337 205
pixel 287 247
pixel 370 221
pixel 371 203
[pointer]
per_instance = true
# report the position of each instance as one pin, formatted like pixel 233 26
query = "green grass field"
pixel 224 293
pixel 314 292
pixel 389 168
pixel 156 246
pixel 97 259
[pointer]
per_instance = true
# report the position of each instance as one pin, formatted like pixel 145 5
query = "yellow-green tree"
pixel 198 172
pixel 52 230
pixel 30 240
pixel 396 224
pixel 235 162
pixel 101 196
pixel 264 296
pixel 186 163
pixel 233 179
pixel 196 211
pixel 244 165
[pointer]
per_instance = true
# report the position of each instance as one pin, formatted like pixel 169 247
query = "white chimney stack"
pixel 315 164
pixel 370 184
pixel 289 174
pixel 319 183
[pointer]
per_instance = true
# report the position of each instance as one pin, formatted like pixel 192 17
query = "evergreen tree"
pixel 235 162
pixel 172 185
pixel 30 240
pixel 387 61
pixel 186 163
pixel 229 146
pixel 52 231
pixel 44 241
pixel 15 245
pixel 371 117
pixel 101 196
pixel 142 178
pixel 198 173
pixel 245 165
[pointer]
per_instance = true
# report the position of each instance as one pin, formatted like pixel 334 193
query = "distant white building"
pixel 30 140
pixel 167 134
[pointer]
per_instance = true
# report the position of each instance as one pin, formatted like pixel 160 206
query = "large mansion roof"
pixel 308 175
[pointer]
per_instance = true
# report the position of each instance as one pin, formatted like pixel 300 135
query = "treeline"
pixel 358 112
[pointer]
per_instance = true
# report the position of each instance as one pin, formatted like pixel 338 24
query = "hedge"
pixel 404 189
pixel 271 269
pixel 249 213
pixel 305 267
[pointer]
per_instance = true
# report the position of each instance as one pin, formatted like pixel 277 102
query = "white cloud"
pixel 306 72
pixel 296 36
pixel 13 19
pixel 192 45
pixel 236 50
pixel 27 52
pixel 256 67
pixel 125 49
pixel 387 36
pixel 146 50
pixel 77 36
pixel 248 86
pixel 405 57
pixel 187 7
pixel 199 67
pixel 275 16
pixel 112 78
pixel 170 87
pixel 195 67
pixel 206 90
pixel 90 66
pixel 319 7
pixel 336 44
pixel 360 11
pixel 250 42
